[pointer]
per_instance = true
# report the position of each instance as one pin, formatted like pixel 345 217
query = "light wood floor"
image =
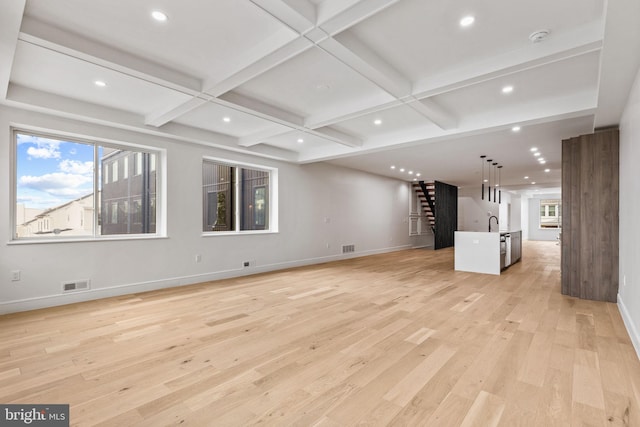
pixel 394 339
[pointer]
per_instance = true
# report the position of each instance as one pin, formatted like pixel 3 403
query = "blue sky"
pixel 52 172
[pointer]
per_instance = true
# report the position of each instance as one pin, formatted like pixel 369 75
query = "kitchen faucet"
pixel 492 216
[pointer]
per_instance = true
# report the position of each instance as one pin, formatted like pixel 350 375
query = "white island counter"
pixel 484 252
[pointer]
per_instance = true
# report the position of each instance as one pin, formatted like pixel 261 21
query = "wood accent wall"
pixel 590 187
pixel 446 215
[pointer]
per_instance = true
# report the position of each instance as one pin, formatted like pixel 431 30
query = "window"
pixel 236 197
pixel 73 189
pixel 138 164
pixel 550 213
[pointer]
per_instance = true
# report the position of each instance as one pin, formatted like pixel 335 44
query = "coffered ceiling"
pixel 367 84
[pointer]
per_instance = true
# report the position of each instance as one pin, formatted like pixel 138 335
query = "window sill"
pixel 36 241
pixel 236 233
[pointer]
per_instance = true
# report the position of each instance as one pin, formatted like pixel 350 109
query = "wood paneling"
pixel 446 212
pixel 590 216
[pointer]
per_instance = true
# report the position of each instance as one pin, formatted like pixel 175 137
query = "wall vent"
pixel 348 248
pixel 78 285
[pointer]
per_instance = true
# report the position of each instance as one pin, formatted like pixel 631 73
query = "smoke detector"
pixel 538 36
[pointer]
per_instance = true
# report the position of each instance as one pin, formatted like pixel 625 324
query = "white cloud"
pixel 76 167
pixel 44 152
pixel 57 183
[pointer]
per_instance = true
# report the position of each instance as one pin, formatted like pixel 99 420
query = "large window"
pixel 79 189
pixel 550 213
pixel 236 197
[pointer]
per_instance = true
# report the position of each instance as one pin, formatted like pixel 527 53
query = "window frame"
pixel 161 186
pixel 271 197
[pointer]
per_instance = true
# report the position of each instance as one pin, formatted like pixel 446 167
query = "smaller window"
pixel 125 168
pixel 114 212
pixel 114 176
pixel 152 161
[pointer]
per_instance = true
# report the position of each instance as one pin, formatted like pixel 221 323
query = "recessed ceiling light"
pixel 507 89
pixel 410 172
pixel 415 179
pixel 377 122
pixel 393 167
pixel 418 174
pixel 467 20
pixel 542 162
pixel 226 119
pixel 516 128
pixel 300 140
pixel 401 169
pixel 533 182
pixel 534 149
pixel 541 159
pixel 536 154
pixel 526 177
pixel 159 16
pixel 100 83
pixel 547 170
pixel 486 180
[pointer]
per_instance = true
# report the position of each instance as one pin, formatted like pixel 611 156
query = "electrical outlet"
pixel 15 275
pixel 198 258
pixel 246 264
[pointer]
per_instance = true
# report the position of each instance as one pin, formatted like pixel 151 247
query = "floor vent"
pixel 78 285
pixel 348 248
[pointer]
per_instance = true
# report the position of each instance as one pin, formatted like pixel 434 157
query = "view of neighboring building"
pixel 74 218
pixel 128 183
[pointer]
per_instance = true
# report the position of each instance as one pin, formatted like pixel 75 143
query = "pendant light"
pixel 489 161
pixel 482 164
pixel 499 185
pixel 494 185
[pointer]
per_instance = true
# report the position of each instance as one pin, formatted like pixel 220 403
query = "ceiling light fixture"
pixel 418 174
pixel 516 129
pixel 401 169
pixel 547 170
pixel 393 167
pixel 534 149
pixel 536 154
pixel 410 172
pixel 542 162
pixel 533 183
pixel 467 20
pixel 226 119
pixel 300 140
pixel 100 83
pixel 507 89
pixel 377 122
pixel 159 16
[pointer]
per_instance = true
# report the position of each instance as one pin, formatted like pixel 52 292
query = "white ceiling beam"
pixel 547 52
pixel 159 119
pixel 261 109
pixel 299 15
pixel 260 137
pixel 337 136
pixel 352 52
pixel 10 20
pixel 434 112
pixel 58 40
pixel 357 11
pixel 258 67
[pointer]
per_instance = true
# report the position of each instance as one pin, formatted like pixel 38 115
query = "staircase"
pixel 426 192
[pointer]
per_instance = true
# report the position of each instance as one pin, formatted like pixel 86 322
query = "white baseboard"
pixel 631 327
pixel 35 303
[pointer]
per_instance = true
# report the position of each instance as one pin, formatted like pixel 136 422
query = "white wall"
pixel 629 289
pixel 534 230
pixel 319 205
pixel 474 213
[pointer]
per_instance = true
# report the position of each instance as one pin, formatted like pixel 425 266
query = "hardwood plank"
pixel 390 339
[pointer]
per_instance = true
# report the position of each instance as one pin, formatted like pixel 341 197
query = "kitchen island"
pixel 487 252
